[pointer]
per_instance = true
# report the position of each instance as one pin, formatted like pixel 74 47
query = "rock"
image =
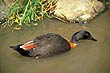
pixel 3 10
pixel 78 10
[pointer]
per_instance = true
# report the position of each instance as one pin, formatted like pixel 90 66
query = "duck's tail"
pixel 14 47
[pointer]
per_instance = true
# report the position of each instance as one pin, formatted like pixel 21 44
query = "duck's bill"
pixel 91 38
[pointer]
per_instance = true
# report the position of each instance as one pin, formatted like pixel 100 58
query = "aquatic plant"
pixel 28 12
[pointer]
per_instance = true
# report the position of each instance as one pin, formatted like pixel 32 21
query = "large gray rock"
pixel 78 10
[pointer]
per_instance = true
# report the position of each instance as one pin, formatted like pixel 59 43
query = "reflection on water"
pixel 87 57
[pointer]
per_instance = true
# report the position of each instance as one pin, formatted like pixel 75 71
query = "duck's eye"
pixel 87 34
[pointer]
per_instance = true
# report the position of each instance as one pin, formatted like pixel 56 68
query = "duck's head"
pixel 82 35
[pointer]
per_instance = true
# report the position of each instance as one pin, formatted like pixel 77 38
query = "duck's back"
pixel 50 44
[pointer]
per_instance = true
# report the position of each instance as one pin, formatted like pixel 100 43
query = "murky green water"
pixel 87 57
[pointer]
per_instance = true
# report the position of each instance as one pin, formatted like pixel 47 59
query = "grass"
pixel 29 12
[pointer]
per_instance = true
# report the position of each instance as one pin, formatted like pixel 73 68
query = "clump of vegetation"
pixel 28 12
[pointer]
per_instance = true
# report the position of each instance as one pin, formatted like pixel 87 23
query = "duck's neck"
pixel 72 44
pixel 75 40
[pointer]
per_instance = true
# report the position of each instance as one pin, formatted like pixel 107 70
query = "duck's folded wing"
pixel 28 46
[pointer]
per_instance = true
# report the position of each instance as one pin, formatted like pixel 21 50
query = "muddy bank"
pixel 77 11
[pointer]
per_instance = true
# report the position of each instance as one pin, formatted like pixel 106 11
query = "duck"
pixel 51 44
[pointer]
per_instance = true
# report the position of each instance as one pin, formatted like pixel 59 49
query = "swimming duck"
pixel 51 44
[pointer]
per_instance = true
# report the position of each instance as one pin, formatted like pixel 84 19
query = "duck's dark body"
pixel 50 44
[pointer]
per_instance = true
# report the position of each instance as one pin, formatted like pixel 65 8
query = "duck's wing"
pixel 28 46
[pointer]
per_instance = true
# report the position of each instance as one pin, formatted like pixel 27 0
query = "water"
pixel 87 57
